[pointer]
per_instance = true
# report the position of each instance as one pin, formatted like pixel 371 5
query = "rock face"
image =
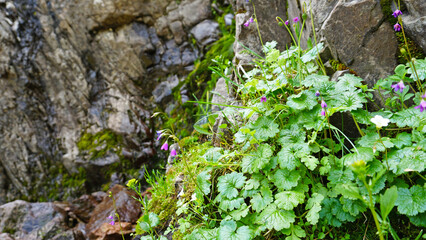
pixel 415 21
pixel 78 79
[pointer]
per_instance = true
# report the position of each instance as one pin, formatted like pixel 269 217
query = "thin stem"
pixel 386 150
pixel 357 126
pixel 373 211
pixel 257 24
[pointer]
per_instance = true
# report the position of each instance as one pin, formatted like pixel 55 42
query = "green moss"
pixel 99 144
pixel 9 230
pixel 338 66
pixel 415 50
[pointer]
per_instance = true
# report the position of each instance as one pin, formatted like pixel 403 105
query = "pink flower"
pixel 296 19
pixel 173 153
pixel 263 99
pixel 165 146
pixel 323 104
pixel 159 133
pixel 323 112
pixel 397 27
pixel 286 22
pixel 422 105
pixel 112 219
pixel 424 95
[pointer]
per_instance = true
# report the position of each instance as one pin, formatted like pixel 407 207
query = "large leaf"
pixel 303 100
pixel 313 79
pixel 288 157
pixel 314 206
pixel 406 160
pixel 408 118
pixel 288 200
pixel 348 82
pixel 203 183
pixel 274 218
pixel 333 211
pixel 265 128
pixel 411 201
pixel 286 180
pixel 228 231
pixel 229 183
pixel 313 53
pixel 387 201
pixel 257 159
pixel 262 199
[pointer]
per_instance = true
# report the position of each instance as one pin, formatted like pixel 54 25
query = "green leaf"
pixel 203 183
pixel 407 118
pixel 286 180
pixel 288 157
pixel 411 201
pixel 372 139
pixel 203 129
pixel 292 135
pixel 348 190
pixel 229 205
pixel 274 218
pixel 295 232
pixel 149 221
pixel 313 53
pixel 228 231
pixel 348 82
pixel 303 100
pixel 205 234
pixel 240 213
pixel 313 79
pixel 350 101
pixel 313 214
pixel 259 202
pixel 288 200
pixel 243 135
pixel 340 176
pixel 419 220
pixel 333 211
pixel 212 154
pixel 353 207
pixel 326 166
pixel 257 159
pixel 402 139
pixel 310 162
pixel 400 70
pixel 273 55
pixel 265 128
pixel 229 183
pixel 363 153
pixel 406 160
pixel 420 65
pixel 387 201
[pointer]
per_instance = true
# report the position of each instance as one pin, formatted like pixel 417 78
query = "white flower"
pixel 380 121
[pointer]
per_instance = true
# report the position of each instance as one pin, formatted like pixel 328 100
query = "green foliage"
pixel 286 172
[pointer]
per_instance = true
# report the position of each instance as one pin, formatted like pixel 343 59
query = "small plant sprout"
pixel 380 121
pixel 165 146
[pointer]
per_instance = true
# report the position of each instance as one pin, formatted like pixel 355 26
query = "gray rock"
pixel 33 221
pixel 415 22
pixel 194 11
pixel 355 40
pixel 206 32
pixel 228 19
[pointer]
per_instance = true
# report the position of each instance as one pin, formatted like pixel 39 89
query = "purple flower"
pixel 246 24
pixel 159 133
pixel 323 112
pixel 112 219
pixel 251 20
pixel 396 13
pixel 323 104
pixel 424 95
pixel 296 19
pixel 173 153
pixel 165 146
pixel 317 94
pixel 263 99
pixel 397 27
pixel 286 22
pixel 422 105
pixel 398 87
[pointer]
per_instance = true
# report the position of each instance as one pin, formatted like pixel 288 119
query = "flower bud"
pixel 403 51
pixel 304 16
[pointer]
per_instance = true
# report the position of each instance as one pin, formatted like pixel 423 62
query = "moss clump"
pixel 338 66
pixel 99 144
pixel 415 50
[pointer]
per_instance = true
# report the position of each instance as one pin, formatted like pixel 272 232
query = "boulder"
pixel 415 22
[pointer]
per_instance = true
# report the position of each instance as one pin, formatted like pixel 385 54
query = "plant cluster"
pixel 286 172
